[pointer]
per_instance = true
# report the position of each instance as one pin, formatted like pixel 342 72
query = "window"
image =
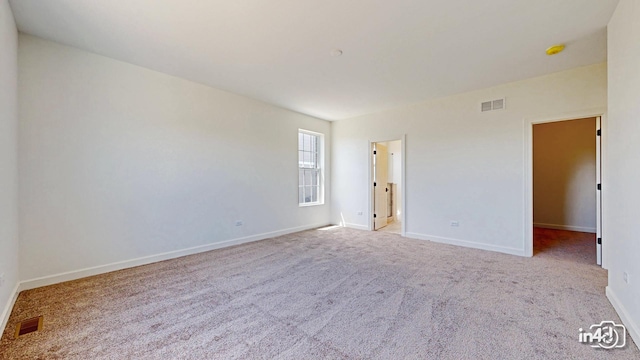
pixel 310 166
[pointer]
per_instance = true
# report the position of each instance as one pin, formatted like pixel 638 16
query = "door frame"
pixel 528 124
pixel 403 194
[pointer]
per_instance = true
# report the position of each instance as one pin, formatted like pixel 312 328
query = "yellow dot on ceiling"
pixel 555 49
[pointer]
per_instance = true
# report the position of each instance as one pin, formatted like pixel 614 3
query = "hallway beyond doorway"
pixel 566 245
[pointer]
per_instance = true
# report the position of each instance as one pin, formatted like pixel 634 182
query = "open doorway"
pixel 566 191
pixel 387 173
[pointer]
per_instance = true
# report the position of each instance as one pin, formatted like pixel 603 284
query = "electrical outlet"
pixel 238 222
pixel 455 223
pixel 625 277
pixel 1 279
pixel 359 212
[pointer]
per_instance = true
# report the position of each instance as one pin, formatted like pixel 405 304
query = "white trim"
pixel 403 141
pixel 566 227
pixel 371 193
pixel 627 320
pixel 101 269
pixel 321 158
pixel 603 172
pixel 598 190
pixel 311 204
pixel 8 307
pixel 466 243
pixel 310 132
pixel 356 226
pixel 403 159
pixel 527 180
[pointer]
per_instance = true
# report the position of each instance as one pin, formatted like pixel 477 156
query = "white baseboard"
pixel 356 226
pixel 565 227
pixel 8 307
pixel 628 322
pixel 465 243
pixel 101 269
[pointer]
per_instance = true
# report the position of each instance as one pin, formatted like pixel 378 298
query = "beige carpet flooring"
pixel 337 294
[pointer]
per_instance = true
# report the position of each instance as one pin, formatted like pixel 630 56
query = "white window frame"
pixel 320 168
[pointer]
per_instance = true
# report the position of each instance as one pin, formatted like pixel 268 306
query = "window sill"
pixel 310 204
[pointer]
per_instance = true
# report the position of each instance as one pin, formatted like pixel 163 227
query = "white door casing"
pixel 598 192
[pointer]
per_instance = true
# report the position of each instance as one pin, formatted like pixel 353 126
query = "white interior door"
pixel 381 169
pixel 598 193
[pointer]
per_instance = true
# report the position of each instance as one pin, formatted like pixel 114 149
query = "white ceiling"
pixel 278 51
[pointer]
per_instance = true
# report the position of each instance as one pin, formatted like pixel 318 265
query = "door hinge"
pixel 374 183
pixel 599 187
pixel 599 241
pixel 374 152
pixel 386 189
pixel 374 216
pixel 599 133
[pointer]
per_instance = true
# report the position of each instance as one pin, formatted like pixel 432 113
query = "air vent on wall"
pixel 498 104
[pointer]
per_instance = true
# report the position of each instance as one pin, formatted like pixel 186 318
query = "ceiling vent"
pixel 498 104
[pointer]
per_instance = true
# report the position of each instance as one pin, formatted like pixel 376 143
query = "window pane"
pixel 307 160
pixel 307 142
pixel 301 194
pixel 308 190
pixel 314 192
pixel 308 177
pixel 306 198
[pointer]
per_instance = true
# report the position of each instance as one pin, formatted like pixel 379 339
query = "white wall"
pixel 8 159
pixel 461 164
pixel 620 186
pixel 564 175
pixel 119 162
